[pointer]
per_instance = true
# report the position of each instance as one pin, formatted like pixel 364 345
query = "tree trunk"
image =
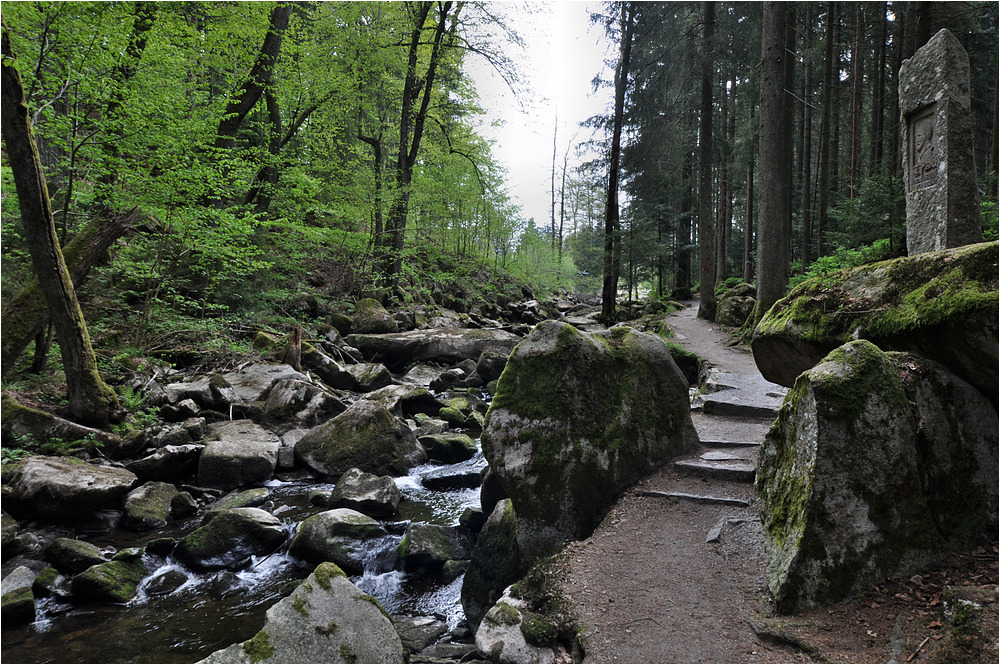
pixel 748 228
pixel 91 401
pixel 722 208
pixel 857 77
pixel 878 99
pixel 682 279
pixel 775 165
pixel 825 132
pixel 706 230
pixel 807 87
pixel 612 243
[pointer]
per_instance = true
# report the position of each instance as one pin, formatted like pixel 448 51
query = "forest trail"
pixel 676 571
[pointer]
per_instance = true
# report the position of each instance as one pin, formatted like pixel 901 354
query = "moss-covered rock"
pixel 366 436
pixel 497 562
pixel 148 506
pixel 229 536
pixel 63 487
pixel 70 555
pixel 575 411
pixel 876 464
pixel 449 447
pixel 371 318
pixel 115 581
pixel 338 536
pixel 366 493
pixel 431 546
pixel 940 305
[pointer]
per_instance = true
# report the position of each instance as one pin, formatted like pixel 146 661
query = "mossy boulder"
pixel 115 581
pixel 449 447
pixel 340 535
pixel 497 562
pixel 877 464
pixel 294 403
pixel 366 436
pixel 575 411
pixel 431 546
pixel 445 346
pixel 230 536
pixel 371 318
pixel 70 555
pixel 406 401
pixel 148 506
pixel 327 619
pixel 734 308
pixel 511 633
pixel 63 487
pixel 237 453
pixel 940 305
pixel 367 493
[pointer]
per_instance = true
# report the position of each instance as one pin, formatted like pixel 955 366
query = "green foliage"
pixel 990 220
pixel 20 446
pixel 880 250
pixel 877 210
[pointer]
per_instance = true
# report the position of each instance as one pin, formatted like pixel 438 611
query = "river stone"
pixel 369 376
pixel 733 310
pixel 467 476
pixel 63 487
pixel 497 562
pixel 421 375
pixel 338 535
pixel 327 619
pixel 366 436
pixel 877 464
pixel 575 411
pixel 148 506
pixel 251 382
pixel 939 305
pixel 449 447
pixel 371 318
pixel 17 600
pixel 500 637
pixel 115 581
pixel 445 346
pixel 70 555
pixel 431 546
pixel 297 403
pixel 406 401
pixel 230 536
pixel 490 365
pixel 366 493
pixel 237 453
pixel 250 498
pixel 418 633
pixel 210 392
pixel 169 463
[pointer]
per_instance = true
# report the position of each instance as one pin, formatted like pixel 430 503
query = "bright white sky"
pixel 563 53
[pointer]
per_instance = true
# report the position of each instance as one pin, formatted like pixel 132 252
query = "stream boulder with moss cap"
pixel 327 619
pixel 63 487
pixel 578 418
pixel 877 464
pixel 939 305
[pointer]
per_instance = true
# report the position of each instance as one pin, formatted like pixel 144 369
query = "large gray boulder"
pixel 325 620
pixel 115 581
pixel 148 506
pixel 575 411
pixel 229 536
pixel 210 392
pixel 70 555
pixel 371 317
pixel 497 562
pixel 501 638
pixel 294 403
pixel 878 463
pixel 17 601
pixel 340 535
pixel 237 453
pixel 366 436
pixel 446 346
pixel 431 546
pixel 406 401
pixel 939 305
pixel 63 487
pixel 448 447
pixel 251 382
pixel 169 463
pixel 367 493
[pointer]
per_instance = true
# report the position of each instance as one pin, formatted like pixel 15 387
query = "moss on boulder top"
pixel 939 305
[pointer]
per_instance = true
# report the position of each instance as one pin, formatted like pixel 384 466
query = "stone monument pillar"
pixel 939 167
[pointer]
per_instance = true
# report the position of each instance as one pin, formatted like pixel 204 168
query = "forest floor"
pixel 649 588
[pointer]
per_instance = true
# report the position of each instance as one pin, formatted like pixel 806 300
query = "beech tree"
pixel 91 401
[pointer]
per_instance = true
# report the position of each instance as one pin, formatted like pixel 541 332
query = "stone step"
pixel 731 444
pixel 739 409
pixel 732 463
pixel 696 498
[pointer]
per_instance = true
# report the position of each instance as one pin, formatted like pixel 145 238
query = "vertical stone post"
pixel 939 167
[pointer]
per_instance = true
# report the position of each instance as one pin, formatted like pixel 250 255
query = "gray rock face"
pixel 448 447
pixel 734 310
pixel 115 581
pixel 501 639
pixel 148 506
pixel 325 620
pixel 229 536
pixel 340 535
pixel 369 376
pixel 939 167
pixel 64 487
pixel 366 436
pixel 371 318
pixel 497 563
pixel 251 382
pixel 295 403
pixel 876 465
pixel 238 453
pixel 169 463
pixel 69 555
pixel 17 601
pixel 446 346
pixel 575 411
pixel 366 493
pixel 406 401
pixel 431 546
pixel 209 392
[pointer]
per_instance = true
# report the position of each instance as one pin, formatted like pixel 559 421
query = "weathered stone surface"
pixel 210 392
pixel 939 167
pixel 17 601
pixel 251 382
pixel 448 447
pixel 490 365
pixel 371 318
pixel 575 411
pixel 229 536
pixel 63 487
pixel 734 309
pixel 148 506
pixel 338 535
pixel 366 436
pixel 300 404
pixel 877 464
pixel 406 401
pixel 325 620
pixel 237 453
pixel 369 376
pixel 169 463
pixel 940 305
pixel 441 345
pixel 69 555
pixel 430 546
pixel 500 637
pixel 418 633
pixel 115 581
pixel 497 563
pixel 250 498
pixel 366 493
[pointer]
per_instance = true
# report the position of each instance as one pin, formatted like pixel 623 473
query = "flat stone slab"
pixel 696 498
pixel 733 403
pixel 718 431
pixel 734 467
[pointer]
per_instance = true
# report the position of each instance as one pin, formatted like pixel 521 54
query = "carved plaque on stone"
pixel 923 151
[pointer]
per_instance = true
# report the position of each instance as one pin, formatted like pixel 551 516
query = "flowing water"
pixel 210 611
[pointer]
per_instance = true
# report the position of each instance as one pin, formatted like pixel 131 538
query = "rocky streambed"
pixel 172 542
